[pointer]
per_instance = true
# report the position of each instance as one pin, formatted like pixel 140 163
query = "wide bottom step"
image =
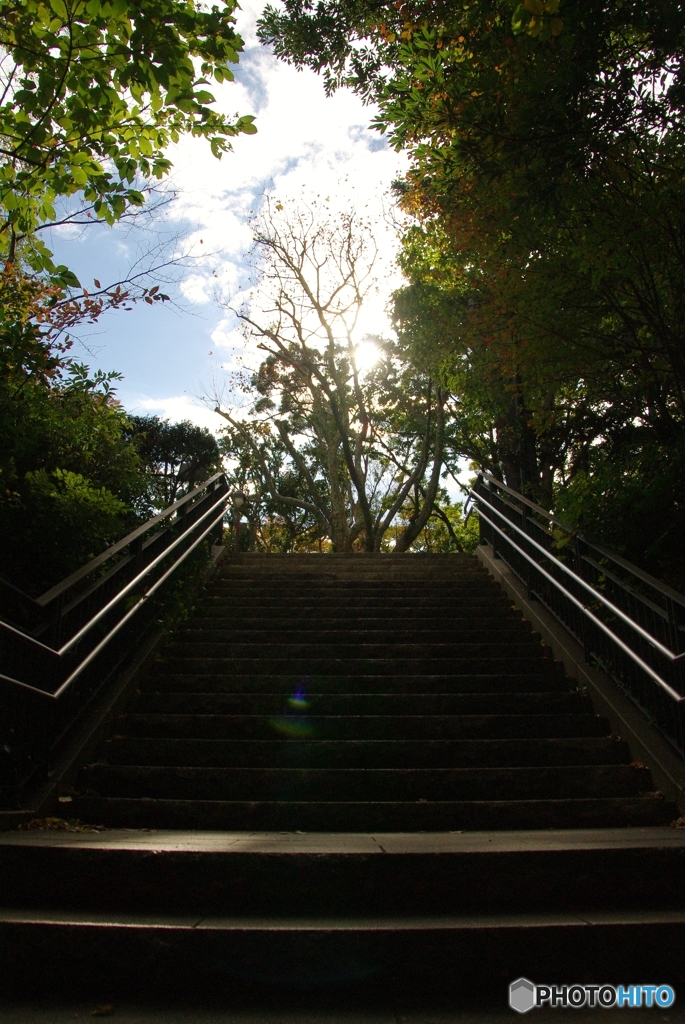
pixel 182 952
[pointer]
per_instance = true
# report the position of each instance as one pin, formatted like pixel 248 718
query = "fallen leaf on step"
pixel 678 823
pixel 637 764
pixel 58 825
pixel 103 1011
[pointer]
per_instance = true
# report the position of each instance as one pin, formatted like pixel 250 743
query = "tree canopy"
pixel 91 96
pixel 176 456
pixel 545 264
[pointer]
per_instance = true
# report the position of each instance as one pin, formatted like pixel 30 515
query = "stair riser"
pixel 279 650
pixel 180 962
pixel 380 727
pixel 366 704
pixel 417 586
pixel 171 882
pixel 375 817
pixel 366 753
pixel 390 635
pixel 469 605
pixel 163 678
pixel 484 616
pixel 385 784
pixel 312 664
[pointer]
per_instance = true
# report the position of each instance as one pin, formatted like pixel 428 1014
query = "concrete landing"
pixel 165 840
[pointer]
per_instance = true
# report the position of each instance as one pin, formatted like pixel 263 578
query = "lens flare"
pixel 298 728
pixel 298 700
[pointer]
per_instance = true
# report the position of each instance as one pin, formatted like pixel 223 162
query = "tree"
pixel 176 456
pixel 70 482
pixel 445 532
pixel 70 477
pixel 546 268
pixel 92 95
pixel 358 442
pixel 258 463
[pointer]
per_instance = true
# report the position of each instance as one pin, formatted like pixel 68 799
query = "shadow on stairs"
pixel 358 774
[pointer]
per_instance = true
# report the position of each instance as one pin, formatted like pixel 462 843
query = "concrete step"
pixel 466 617
pixel 313 662
pixel 165 677
pixel 359 727
pixel 369 816
pixel 469 602
pixel 387 634
pixel 297 752
pixel 278 649
pixel 366 784
pixel 280 874
pixel 191 955
pixel 302 699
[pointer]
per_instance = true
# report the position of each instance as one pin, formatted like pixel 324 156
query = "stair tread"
pixel 355 844
pixel 195 922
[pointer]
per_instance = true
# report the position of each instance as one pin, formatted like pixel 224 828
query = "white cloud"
pixel 225 334
pixel 307 143
pixel 195 288
pixel 180 407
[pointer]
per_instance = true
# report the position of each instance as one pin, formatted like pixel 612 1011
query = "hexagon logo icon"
pixel 522 995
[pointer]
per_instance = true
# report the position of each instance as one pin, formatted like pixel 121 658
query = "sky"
pixel 307 144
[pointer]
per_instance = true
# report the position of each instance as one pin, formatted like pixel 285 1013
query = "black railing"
pixel 630 625
pixel 57 651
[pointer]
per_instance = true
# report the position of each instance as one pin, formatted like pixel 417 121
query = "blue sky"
pixel 306 144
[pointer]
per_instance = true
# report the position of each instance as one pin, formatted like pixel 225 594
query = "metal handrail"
pixel 59 653
pixel 598 622
pixel 634 570
pixel 114 549
pixel 122 622
pixel 597 595
pixel 62 651
pixel 136 579
pixel 612 629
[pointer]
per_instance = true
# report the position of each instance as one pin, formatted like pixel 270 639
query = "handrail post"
pixel 532 596
pixel 491 487
pixel 675 635
pixel 482 526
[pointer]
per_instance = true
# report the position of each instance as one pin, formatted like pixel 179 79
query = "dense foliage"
pixel 91 95
pixel 68 476
pixel 546 264
pixel 175 456
pixel 76 473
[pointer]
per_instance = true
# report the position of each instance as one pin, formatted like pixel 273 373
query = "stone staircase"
pixel 354 694
pixel 347 770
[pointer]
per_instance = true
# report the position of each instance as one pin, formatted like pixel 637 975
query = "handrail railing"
pixel 82 629
pixel 629 623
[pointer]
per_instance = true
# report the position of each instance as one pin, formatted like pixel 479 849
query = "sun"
pixel 366 355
